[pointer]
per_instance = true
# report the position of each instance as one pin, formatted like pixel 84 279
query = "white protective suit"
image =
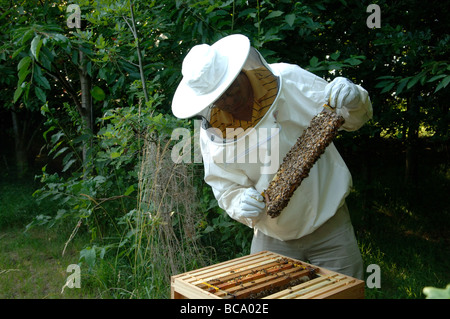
pixel 230 167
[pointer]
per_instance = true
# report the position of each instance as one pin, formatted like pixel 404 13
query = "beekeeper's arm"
pixel 234 193
pixel 348 99
pixel 351 101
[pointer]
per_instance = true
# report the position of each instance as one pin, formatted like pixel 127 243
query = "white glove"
pixel 342 92
pixel 252 204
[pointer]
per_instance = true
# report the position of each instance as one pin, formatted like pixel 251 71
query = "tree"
pixel 415 50
pixel 55 58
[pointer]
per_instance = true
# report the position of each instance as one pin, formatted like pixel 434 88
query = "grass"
pixel 403 227
pixel 32 266
pixel 31 263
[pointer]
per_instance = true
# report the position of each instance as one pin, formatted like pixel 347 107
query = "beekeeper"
pixel 252 114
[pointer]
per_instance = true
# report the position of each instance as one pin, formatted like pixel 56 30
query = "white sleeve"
pixel 228 187
pixel 228 184
pixel 311 94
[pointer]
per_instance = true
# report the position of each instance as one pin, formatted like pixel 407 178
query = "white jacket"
pixel 252 160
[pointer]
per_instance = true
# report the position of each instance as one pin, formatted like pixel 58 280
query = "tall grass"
pixel 167 217
pixel 160 236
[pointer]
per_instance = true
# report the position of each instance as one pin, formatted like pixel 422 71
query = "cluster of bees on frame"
pixel 261 282
pixel 301 157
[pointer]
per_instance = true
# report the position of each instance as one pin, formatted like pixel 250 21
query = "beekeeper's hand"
pixel 252 204
pixel 342 92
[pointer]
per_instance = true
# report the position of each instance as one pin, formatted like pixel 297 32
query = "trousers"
pixel 332 246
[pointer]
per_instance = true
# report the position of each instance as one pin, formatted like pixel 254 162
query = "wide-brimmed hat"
pixel 208 70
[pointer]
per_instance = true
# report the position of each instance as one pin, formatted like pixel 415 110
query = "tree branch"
pixel 136 39
pixel 70 90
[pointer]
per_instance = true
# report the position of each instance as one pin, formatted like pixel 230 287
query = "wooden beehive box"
pixel 265 275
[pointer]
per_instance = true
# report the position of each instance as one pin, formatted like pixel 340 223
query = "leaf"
pixel 55 137
pixel 54 148
pixel 98 93
pixel 68 164
pixel 250 12
pixel 60 38
pixel 40 79
pixel 61 213
pixel 27 35
pixel 414 81
pixel 114 155
pixel 334 56
pixel 437 77
pixel 290 19
pixel 75 57
pixel 402 85
pixel 274 14
pixel 102 74
pixel 82 138
pixel 436 293
pixel 314 61
pixel 50 129
pixel 353 61
pixel 383 84
pixel 6 13
pixel 40 94
pixel 22 75
pixel 36 46
pixel 387 88
pixel 208 229
pixel 443 84
pixel 18 93
pixel 18 51
pixel 129 190
pixel 24 63
pixel 62 150
pixel 89 255
pixel 384 77
pixel 99 179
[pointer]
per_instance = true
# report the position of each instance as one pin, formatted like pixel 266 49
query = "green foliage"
pixel 111 174
pixel 110 195
pixel 332 64
pixel 17 207
pixel 436 293
pixel 217 227
pixel 236 236
pixel 33 266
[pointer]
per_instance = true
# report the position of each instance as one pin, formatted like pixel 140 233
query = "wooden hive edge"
pixel 331 288
pixel 303 287
pixel 181 289
pixel 184 285
pixel 225 268
pixel 348 288
pixel 212 268
pixel 327 285
pixel 352 289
